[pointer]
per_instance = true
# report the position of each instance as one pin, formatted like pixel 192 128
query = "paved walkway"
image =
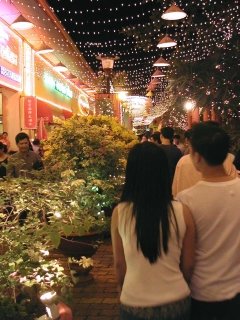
pixel 96 297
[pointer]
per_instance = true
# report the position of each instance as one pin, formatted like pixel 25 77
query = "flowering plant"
pixel 83 261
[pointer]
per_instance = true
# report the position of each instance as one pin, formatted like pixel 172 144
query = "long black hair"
pixel 148 187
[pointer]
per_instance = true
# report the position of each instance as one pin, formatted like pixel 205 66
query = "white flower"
pixel 86 262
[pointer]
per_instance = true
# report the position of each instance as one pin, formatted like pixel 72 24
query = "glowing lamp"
pixel 166 42
pixel 173 13
pixel 22 23
pixel 107 62
pixel 158 74
pixel 60 67
pixel 44 49
pixel 107 65
pixel 189 105
pixel 161 63
pixel 122 95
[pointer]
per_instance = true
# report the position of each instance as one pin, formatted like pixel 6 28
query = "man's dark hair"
pixel 156 137
pixel 187 134
pixel 21 136
pixel 211 142
pixel 167 133
pixel 36 142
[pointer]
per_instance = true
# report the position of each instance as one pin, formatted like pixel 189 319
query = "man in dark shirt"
pixel 172 152
pixel 25 160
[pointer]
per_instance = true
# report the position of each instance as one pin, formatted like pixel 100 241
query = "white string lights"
pixel 132 29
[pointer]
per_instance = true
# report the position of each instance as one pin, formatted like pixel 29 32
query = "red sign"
pixel 30 113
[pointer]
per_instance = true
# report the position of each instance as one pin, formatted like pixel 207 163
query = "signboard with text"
pixel 10 59
pixel 30 112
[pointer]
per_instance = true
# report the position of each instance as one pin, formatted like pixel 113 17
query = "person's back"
pixel 186 175
pixel 151 235
pixel 143 280
pixel 214 203
pixel 171 150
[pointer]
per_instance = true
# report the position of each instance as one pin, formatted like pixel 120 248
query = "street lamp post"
pixel 107 65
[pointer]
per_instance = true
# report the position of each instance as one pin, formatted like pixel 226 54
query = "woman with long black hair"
pixel 153 240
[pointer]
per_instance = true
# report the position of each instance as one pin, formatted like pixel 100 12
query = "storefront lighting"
pixel 53 104
pixel 22 23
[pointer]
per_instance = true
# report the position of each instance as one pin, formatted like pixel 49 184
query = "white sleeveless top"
pixel 215 207
pixel 146 284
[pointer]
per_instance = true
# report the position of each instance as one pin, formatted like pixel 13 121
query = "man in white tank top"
pixel 214 203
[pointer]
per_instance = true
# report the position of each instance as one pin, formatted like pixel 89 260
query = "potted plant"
pixel 80 268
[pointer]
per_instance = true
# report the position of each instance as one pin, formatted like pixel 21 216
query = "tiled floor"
pixel 96 297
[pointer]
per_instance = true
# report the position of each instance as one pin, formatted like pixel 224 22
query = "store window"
pixel 1 114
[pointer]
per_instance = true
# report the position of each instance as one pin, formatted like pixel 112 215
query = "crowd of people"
pixel 178 258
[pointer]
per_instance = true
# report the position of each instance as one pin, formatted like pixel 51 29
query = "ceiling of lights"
pixel 132 30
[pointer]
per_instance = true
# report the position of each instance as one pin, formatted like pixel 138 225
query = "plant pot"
pixel 79 246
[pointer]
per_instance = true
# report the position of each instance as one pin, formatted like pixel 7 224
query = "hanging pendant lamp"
pixel 173 13
pixel 155 81
pixel 161 63
pixel 43 49
pixel 22 23
pixel 158 74
pixel 166 42
pixel 60 67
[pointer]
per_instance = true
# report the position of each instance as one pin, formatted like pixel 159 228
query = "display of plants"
pixel 83 173
pixel 95 149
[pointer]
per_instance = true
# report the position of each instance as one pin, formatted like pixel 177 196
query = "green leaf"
pixel 67 229
pixel 55 238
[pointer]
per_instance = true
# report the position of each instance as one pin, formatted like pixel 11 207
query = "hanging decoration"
pixel 204 59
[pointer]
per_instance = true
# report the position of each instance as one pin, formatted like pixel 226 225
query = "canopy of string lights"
pixel 204 65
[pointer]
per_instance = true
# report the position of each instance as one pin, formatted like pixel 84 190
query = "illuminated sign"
pixel 9 74
pixel 30 112
pixel 83 104
pixel 28 83
pixel 10 58
pixel 8 55
pixel 137 105
pixel 57 85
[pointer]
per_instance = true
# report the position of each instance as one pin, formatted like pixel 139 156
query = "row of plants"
pixel 83 173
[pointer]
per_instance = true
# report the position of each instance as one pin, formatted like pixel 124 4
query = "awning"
pixel 44 110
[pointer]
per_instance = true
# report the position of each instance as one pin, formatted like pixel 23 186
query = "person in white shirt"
pixel 153 241
pixel 214 203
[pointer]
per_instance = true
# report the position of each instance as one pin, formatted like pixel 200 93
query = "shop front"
pixel 56 97
pixel 11 80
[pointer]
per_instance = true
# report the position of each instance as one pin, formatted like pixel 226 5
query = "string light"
pixel 99 28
